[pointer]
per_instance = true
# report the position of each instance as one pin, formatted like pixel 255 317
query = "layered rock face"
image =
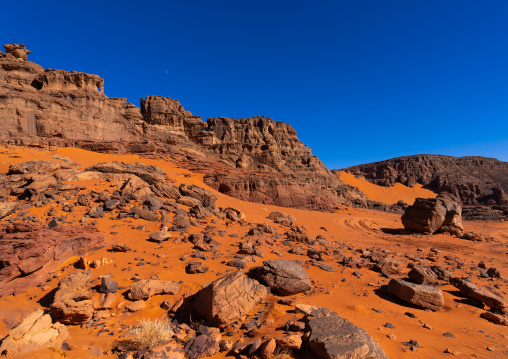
pixel 166 118
pixel 476 181
pixel 37 105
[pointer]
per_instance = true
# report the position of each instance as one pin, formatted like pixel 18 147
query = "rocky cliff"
pixel 256 159
pixel 480 183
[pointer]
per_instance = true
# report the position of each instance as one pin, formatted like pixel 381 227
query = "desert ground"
pixel 356 294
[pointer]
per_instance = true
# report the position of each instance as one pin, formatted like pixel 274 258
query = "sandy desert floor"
pixel 358 299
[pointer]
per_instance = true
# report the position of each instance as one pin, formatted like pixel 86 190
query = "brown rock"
pixel 35 332
pixel 31 252
pixel 72 303
pixel 135 306
pixel 389 265
pixel 283 276
pixel 422 295
pixel 228 299
pixel 422 275
pixel 146 288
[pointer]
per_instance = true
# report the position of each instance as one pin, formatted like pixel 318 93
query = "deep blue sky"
pixel 359 80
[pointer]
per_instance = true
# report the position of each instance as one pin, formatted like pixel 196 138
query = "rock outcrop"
pixel 473 180
pixel 30 252
pixel 255 159
pixel 73 300
pixel 36 331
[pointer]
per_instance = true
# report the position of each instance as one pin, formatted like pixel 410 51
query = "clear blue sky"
pixel 360 80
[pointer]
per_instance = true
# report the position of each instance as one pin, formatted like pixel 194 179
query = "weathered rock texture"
pixel 474 180
pixel 430 215
pixel 30 252
pixel 35 332
pixel 422 295
pixel 333 337
pixel 283 276
pixel 73 300
pixel 228 299
pixel 255 159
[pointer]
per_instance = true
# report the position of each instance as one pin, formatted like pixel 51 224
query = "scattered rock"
pixel 72 303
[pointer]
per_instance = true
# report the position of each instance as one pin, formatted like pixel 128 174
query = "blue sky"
pixel 360 81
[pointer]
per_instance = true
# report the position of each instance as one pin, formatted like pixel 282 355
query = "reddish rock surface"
pixel 30 252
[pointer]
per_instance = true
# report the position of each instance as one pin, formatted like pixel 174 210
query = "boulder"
pixel 36 331
pixel 422 275
pixel 282 218
pixel 145 213
pixel 7 208
pixel 333 337
pixel 422 295
pixel 484 295
pixel 228 299
pixel 201 347
pixel 206 197
pixel 431 215
pixel 146 288
pixel 283 276
pixel 73 301
pixel 389 265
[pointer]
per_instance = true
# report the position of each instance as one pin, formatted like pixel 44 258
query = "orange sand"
pixel 388 195
pixel 353 299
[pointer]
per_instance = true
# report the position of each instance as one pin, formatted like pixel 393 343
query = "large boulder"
pixel 228 299
pixel 333 337
pixel 36 331
pixel 283 276
pixel 146 288
pixel 73 301
pixel 431 215
pixel 422 275
pixel 422 295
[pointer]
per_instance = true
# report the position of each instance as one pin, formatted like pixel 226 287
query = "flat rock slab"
pixel 333 337
pixel 422 295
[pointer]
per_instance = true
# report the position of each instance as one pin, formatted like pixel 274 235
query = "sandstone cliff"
pixel 256 159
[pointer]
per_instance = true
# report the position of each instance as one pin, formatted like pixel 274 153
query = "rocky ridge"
pixel 480 183
pixel 256 159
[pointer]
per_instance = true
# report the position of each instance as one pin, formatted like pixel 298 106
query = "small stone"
pixel 449 335
pixel 389 325
pixel 391 336
pixel 490 349
pixel 427 326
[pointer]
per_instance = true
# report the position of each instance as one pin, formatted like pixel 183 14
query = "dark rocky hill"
pixel 480 183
